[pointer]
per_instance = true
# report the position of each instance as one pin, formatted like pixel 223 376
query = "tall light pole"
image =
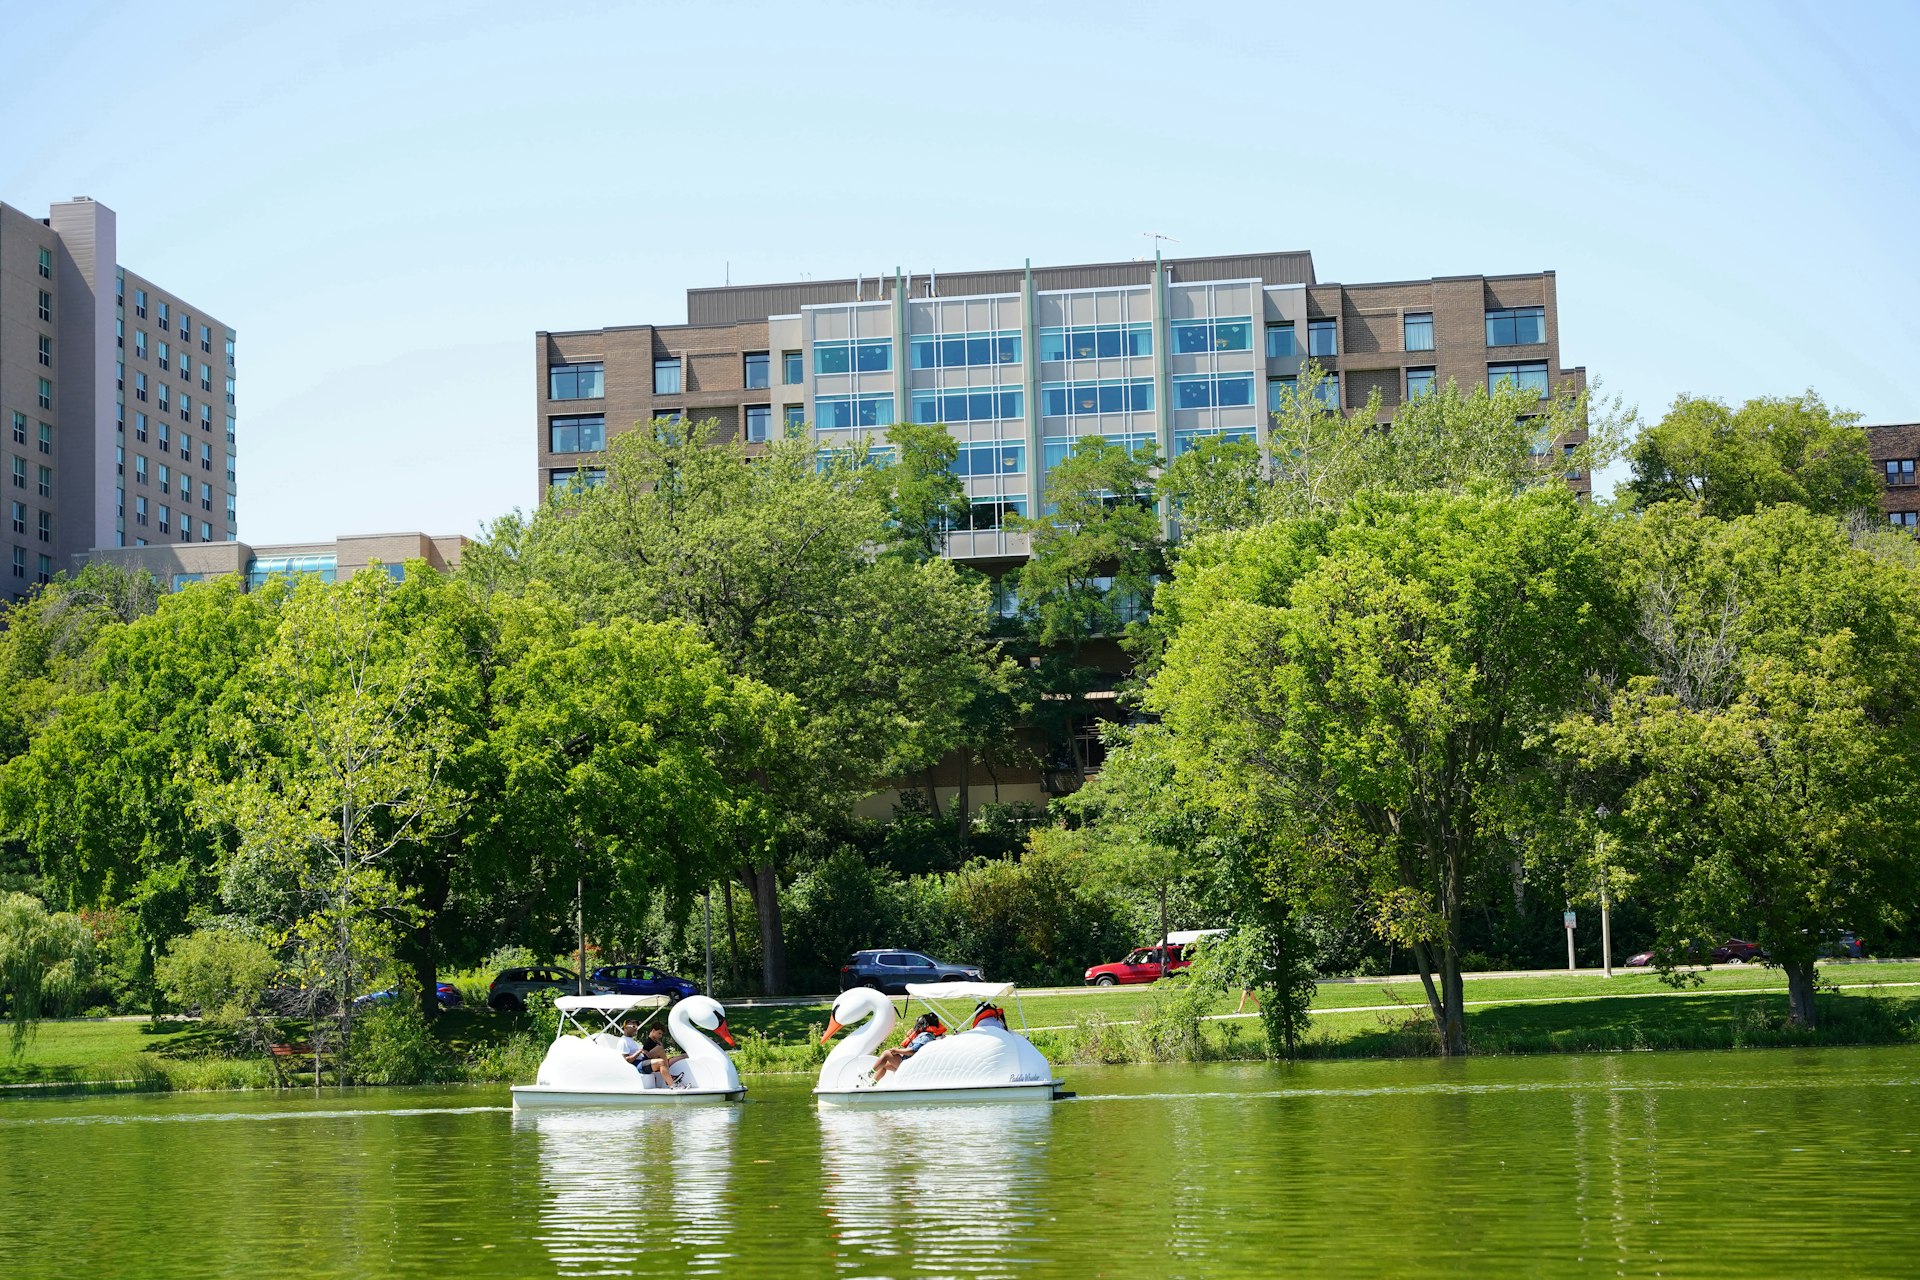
pixel 708 895
pixel 1606 923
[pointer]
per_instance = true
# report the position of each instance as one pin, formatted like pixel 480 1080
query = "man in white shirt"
pixel 630 1049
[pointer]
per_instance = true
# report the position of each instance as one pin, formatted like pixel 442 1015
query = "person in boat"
pixel 660 1057
pixel 989 1015
pixel 926 1029
pixel 631 1049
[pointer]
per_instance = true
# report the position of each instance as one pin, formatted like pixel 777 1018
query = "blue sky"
pixel 388 200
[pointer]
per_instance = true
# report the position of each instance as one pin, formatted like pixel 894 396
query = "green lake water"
pixel 1754 1164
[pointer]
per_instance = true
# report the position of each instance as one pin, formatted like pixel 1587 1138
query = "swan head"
pixel 851 1006
pixel 705 1013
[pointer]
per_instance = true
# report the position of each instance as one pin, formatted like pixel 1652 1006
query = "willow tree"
pixel 1367 693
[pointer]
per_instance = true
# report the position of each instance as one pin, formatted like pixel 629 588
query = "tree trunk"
pixel 1165 960
pixel 733 929
pixel 773 940
pixel 1800 994
pixel 422 956
pixel 1453 1032
pixel 960 813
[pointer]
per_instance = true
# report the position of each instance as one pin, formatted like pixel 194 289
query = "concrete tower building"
pixel 116 401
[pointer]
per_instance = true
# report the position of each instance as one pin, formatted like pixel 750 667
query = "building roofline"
pixel 976 271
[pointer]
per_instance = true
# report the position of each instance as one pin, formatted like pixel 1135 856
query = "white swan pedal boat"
pixel 984 1063
pixel 583 1067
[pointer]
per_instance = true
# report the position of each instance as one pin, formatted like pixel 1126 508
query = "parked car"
pixel 642 980
pixel 1142 964
pixel 510 988
pixel 1639 959
pixel 1735 951
pixel 1844 946
pixel 890 970
pixel 445 992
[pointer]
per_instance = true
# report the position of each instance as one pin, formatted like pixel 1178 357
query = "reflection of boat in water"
pixel 627 1188
pixel 985 1062
pixel 947 1186
pixel 583 1066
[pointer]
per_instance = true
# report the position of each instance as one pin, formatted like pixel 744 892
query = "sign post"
pixel 1566 918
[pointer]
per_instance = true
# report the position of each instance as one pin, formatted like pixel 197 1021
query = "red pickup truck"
pixel 1141 965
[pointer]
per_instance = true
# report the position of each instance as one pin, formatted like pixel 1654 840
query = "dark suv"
pixel 890 970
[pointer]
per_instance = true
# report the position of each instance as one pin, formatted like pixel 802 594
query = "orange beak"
pixel 833 1025
pixel 725 1035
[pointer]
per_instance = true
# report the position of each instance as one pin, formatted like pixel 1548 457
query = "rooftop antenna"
pixel 729 270
pixel 933 283
pixel 1157 237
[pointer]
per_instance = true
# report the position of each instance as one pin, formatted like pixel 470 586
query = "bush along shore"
pixel 1178 1022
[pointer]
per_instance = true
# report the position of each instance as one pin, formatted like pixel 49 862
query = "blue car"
pixel 445 992
pixel 643 980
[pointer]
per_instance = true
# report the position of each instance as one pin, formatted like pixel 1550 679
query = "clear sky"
pixel 388 200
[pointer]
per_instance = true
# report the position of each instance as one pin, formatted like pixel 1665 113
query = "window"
pixel 140 343
pixel 843 413
pixel 43 526
pixel 206 499
pixel 20 518
pixel 230 468
pixel 964 350
pixel 166 477
pixel 564 382
pixel 229 390
pixel 166 518
pixel 164 354
pixel 19 562
pixel 206 339
pixel 186 325
pixel 757 369
pixel 46 306
pixel 793 369
pixel 120 460
pixel 1321 339
pixel 1205 391
pixel 1900 470
pixel 1419 382
pixel 46 350
pixel 19 427
pixel 206 378
pixel 1278 389
pixel 1072 399
pixel 987 514
pixel 1327 391
pixel 793 417
pixel 666 377
pixel 140 427
pixel 44 567
pixel 1573 470
pixel 1096 342
pixel 140 303
pixel 1187 441
pixel 759 423
pixel 990 460
pixel 140 508
pixel 46 394
pixel 1516 327
pixel 1417 331
pixel 140 468
pixel 206 534
pixel 19 473
pixel 1055 450
pixel 139 385
pixel 45 486
pixel 580 478
pixel 160 314
pixel 969 404
pixel 1280 340
pixel 46 264
pixel 668 415
pixel 852 357
pixel 165 391
pixel 1195 337
pixel 46 437
pixel 1527 377
pixel 586 433
pixel 1904 519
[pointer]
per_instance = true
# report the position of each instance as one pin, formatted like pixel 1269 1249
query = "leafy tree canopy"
pixel 1769 450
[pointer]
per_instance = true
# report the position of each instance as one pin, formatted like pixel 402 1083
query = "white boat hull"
pixel 540 1095
pixel 1040 1092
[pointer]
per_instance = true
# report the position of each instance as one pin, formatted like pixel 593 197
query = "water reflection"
pixel 934 1190
pixel 619 1185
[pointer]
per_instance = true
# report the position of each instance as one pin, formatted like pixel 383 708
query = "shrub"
pixel 220 974
pixel 510 956
pixel 392 1045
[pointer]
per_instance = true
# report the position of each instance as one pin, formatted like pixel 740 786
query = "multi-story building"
pixel 1895 450
pixel 116 401
pixel 1018 364
pixel 177 564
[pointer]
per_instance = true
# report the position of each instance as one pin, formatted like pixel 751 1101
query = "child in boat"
pixel 989 1015
pixel 660 1057
pixel 926 1029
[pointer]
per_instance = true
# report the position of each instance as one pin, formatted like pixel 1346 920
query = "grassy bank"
pixel 1731 1008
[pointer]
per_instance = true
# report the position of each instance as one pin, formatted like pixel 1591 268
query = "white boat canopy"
pixel 960 990
pixel 1181 937
pixel 610 1004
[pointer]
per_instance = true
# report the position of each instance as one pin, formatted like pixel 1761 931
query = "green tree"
pixel 781 567
pixel 1761 768
pixel 45 960
pixel 104 797
pixel 1094 557
pixel 628 753
pixel 1367 693
pixel 923 497
pixel 220 973
pixel 1769 450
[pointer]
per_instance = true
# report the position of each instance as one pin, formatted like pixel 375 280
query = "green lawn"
pixel 1534 1014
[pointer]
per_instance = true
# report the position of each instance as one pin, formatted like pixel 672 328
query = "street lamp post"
pixel 1606 922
